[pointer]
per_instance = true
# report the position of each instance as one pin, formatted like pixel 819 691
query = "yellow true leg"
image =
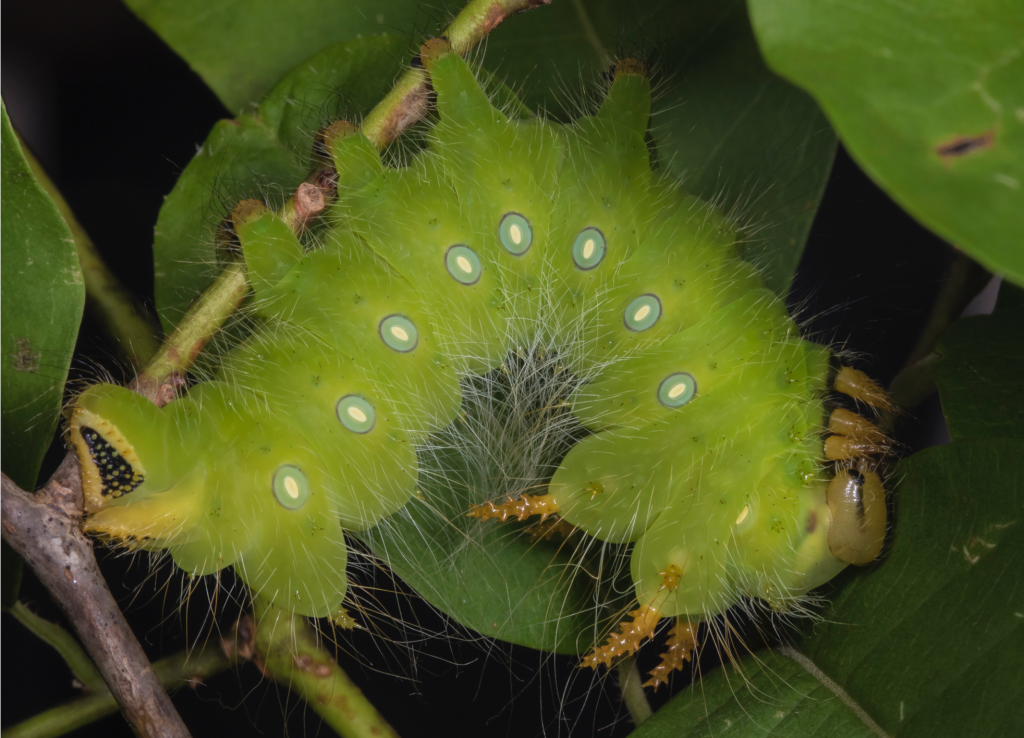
pixel 854 437
pixel 845 423
pixel 860 386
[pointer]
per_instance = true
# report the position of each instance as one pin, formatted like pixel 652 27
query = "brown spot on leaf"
pixel 964 145
pixel 26 358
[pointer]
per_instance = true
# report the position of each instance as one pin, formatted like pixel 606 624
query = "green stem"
pixel 173 672
pixel 588 30
pixel 963 280
pixel 124 318
pixel 65 644
pixel 287 649
pixel 166 370
pixel 408 101
pixel 631 684
pixel 400 109
pixel 914 384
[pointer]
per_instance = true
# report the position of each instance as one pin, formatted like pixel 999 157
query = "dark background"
pixel 114 116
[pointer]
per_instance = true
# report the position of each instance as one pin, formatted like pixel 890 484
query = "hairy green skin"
pixel 705 406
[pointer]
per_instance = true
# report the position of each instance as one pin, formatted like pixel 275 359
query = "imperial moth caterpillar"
pixel 706 413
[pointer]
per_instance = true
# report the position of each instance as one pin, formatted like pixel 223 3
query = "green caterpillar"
pixel 705 412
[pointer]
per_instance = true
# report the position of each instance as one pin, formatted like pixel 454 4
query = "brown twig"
pixel 165 372
pixel 43 528
pixel 408 100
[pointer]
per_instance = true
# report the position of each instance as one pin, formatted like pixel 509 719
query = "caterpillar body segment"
pixel 727 347
pixel 668 290
pixel 411 219
pixel 502 167
pixel 372 460
pixel 706 411
pixel 345 297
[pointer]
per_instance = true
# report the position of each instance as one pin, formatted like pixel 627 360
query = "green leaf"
pixel 767 695
pixel 265 155
pixel 488 576
pixel 724 124
pixel 927 642
pixel 737 134
pixel 930 642
pixel 242 50
pixel 41 299
pixel 979 375
pixel 928 98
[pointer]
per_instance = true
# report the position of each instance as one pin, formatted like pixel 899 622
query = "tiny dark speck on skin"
pixel 963 145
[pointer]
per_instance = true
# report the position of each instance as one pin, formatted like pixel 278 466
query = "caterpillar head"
pixel 124 450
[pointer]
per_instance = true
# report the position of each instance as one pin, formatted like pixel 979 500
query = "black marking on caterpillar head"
pixel 117 476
